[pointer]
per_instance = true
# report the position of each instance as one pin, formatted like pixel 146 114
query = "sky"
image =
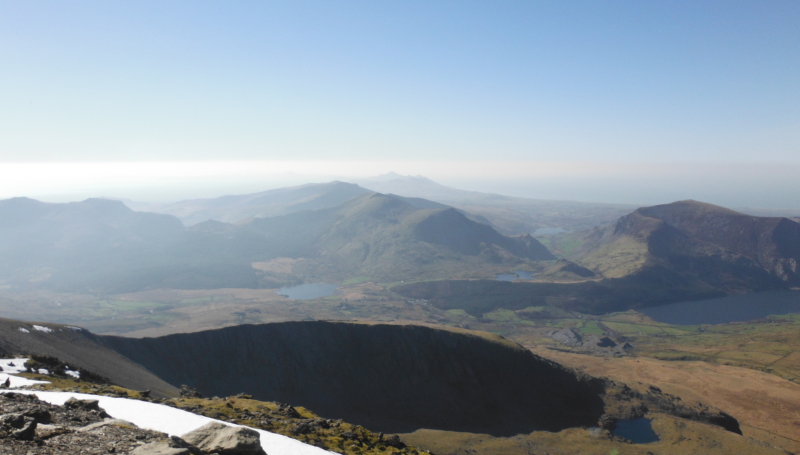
pixel 614 101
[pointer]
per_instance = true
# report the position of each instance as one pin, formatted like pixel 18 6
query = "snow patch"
pixel 24 330
pixel 74 328
pixel 13 366
pixel 16 381
pixel 74 374
pixel 175 421
pixel 42 328
pixel 43 371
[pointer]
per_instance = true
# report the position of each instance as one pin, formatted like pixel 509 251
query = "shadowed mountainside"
pixel 102 244
pixel 386 377
pixel 651 287
pixel 79 348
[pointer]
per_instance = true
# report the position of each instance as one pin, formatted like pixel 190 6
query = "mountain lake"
pixel 308 291
pixel 638 431
pixel 724 310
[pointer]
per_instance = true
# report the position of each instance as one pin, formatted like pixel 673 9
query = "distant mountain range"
pixel 103 245
pixel 509 215
pixel 338 231
pixel 242 208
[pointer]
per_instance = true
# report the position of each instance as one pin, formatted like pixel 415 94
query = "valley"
pixel 396 278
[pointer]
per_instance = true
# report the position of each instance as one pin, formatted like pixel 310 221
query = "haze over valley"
pixel 464 228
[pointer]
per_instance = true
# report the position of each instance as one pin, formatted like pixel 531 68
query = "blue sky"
pixel 683 82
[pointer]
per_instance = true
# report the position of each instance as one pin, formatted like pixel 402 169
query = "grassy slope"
pixel 678 437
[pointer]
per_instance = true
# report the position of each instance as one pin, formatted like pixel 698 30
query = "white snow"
pixel 13 366
pixel 174 421
pixel 153 416
pixel 24 330
pixel 42 328
pixel 74 374
pixel 43 371
pixel 17 381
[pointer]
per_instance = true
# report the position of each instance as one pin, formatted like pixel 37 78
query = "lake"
pixel 638 431
pixel 517 275
pixel 724 310
pixel 308 291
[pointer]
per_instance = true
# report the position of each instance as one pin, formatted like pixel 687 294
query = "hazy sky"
pixel 595 86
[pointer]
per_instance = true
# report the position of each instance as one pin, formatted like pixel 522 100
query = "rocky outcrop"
pixel 28 425
pixel 624 402
pixel 591 344
pixel 31 426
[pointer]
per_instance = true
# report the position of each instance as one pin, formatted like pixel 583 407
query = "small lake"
pixel 724 310
pixel 517 275
pixel 308 291
pixel 638 431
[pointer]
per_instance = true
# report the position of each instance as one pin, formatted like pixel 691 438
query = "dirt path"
pixel 767 407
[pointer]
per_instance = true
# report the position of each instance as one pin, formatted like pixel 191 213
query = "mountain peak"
pixel 688 207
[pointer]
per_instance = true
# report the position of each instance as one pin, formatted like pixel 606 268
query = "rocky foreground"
pixel 30 426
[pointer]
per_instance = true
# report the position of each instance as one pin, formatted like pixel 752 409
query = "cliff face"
pixel 386 377
pixel 719 246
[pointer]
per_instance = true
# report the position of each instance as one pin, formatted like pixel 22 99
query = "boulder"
pixel 174 446
pixel 107 422
pixel 189 392
pixel 160 448
pixel 86 405
pixel 19 426
pixel 222 439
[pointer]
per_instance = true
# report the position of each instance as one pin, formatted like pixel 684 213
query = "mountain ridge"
pixel 689 232
pixel 104 245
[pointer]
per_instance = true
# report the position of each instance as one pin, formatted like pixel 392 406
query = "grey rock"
pixel 568 337
pixel 160 448
pixel 106 423
pixel 19 426
pixel 189 392
pixel 222 439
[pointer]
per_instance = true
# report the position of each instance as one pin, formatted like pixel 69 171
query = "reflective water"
pixel 308 291
pixel 724 310
pixel 523 275
pixel 506 277
pixel 638 431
